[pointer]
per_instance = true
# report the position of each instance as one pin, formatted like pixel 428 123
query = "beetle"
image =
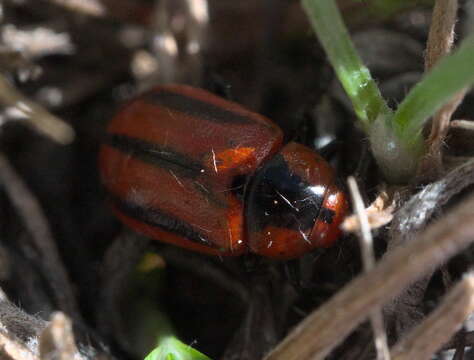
pixel 184 166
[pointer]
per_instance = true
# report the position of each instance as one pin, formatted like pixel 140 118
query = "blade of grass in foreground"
pixel 452 74
pixel 354 76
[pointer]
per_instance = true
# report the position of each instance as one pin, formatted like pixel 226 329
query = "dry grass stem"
pixel 368 260
pixel 441 36
pixel 25 337
pixel 15 322
pixel 11 348
pixel 423 341
pixel 17 329
pixel 379 213
pixel 14 61
pixel 165 47
pixel 38 42
pixel 325 328
pixel 463 124
pixel 405 310
pixel 86 7
pixel 439 129
pixel 419 210
pixel 35 221
pixel 196 32
pixel 440 42
pixel 57 339
pixel 42 120
pixel 179 51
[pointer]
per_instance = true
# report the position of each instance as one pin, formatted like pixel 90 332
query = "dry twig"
pixel 26 337
pixel 42 120
pixel 13 349
pixel 368 259
pixel 30 211
pixel 86 7
pixel 57 339
pixel 17 329
pixel 15 61
pixel 19 324
pixel 423 341
pixel 37 42
pixel 178 60
pixel 463 124
pixel 379 213
pixel 333 321
pixel 419 209
pixel 441 36
pixel 403 312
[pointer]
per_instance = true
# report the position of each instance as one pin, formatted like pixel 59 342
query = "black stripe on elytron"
pixel 166 159
pixel 156 218
pixel 154 154
pixel 326 215
pixel 196 108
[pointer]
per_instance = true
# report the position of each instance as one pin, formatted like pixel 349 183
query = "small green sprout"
pixel 170 348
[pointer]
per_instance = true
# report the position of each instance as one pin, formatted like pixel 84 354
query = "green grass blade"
pixel 354 76
pixel 452 74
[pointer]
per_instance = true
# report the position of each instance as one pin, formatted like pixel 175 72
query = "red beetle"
pixel 189 168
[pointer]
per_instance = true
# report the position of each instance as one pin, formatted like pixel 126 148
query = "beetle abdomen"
pixel 170 159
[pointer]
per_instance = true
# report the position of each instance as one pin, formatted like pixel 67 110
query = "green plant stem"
pixel 452 74
pixel 354 76
pixel 397 142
